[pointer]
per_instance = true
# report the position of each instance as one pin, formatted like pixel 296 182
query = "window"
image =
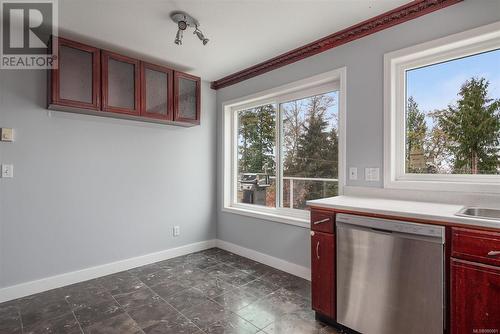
pixel 443 114
pixel 283 150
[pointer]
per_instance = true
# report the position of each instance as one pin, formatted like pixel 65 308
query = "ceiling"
pixel 242 32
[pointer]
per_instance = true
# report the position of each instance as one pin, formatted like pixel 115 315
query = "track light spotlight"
pixel 184 21
pixel 200 35
pixel 178 37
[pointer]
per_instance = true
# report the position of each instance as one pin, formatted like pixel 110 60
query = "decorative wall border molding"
pixel 386 20
pixel 48 283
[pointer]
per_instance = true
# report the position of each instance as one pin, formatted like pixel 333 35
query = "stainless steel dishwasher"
pixel 390 277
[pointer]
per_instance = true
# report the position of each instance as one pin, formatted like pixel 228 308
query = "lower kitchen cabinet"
pixel 475 297
pixel 323 273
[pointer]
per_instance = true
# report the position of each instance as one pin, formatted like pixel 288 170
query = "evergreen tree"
pixel 473 128
pixel 416 129
pixel 317 150
pixel 257 139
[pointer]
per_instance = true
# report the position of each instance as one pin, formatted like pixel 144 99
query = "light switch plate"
pixel 353 173
pixel 372 174
pixel 177 231
pixel 7 171
pixel 6 134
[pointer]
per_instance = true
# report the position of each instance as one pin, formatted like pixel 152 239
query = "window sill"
pixel 283 219
pixel 444 185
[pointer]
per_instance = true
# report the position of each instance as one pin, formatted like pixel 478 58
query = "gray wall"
pixel 364 61
pixel 91 190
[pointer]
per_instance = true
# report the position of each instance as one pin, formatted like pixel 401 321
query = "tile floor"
pixel 212 291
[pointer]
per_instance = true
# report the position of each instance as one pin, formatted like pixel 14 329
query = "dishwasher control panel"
pixel 392 225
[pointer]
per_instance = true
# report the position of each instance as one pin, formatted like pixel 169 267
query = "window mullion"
pixel 279 153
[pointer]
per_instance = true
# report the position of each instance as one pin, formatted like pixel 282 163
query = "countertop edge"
pixel 446 219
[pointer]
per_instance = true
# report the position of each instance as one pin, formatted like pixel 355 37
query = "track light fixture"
pixel 184 21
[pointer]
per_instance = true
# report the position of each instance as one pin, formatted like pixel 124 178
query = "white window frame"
pixel 482 39
pixel 326 82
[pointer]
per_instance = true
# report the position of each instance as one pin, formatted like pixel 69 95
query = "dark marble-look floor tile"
pixel 260 288
pixel 93 284
pixel 173 262
pixel 235 300
pixel 211 252
pixel 186 299
pixel 331 330
pixel 226 257
pixel 119 324
pixel 65 324
pixel 169 288
pixel 161 276
pixel 139 297
pixel 241 263
pixel 145 270
pixel 230 274
pixel 10 318
pixel 83 298
pixel 31 313
pixel 300 322
pixel 38 300
pixel 179 325
pixel 271 308
pixel 122 282
pixel 231 324
pixel 191 276
pixel 153 314
pixel 206 313
pixel 213 287
pixel 92 314
pixel 290 282
pixel 260 270
pixel 207 262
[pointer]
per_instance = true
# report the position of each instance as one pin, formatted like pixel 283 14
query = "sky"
pixel 436 86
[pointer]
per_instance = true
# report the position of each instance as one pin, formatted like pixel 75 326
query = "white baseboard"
pixel 53 282
pixel 269 260
pixel 29 288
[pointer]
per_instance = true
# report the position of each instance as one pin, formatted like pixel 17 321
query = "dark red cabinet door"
pixel 475 298
pixel 156 91
pixel 187 98
pixel 323 273
pixel 76 81
pixel 120 84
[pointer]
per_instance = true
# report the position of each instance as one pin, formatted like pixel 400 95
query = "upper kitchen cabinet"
pixel 156 91
pixel 120 84
pixel 186 98
pixel 75 82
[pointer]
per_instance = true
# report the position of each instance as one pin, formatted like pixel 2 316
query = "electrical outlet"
pixel 353 173
pixel 6 134
pixel 7 171
pixel 372 174
pixel 177 231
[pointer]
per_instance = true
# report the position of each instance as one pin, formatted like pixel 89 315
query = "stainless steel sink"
pixel 483 213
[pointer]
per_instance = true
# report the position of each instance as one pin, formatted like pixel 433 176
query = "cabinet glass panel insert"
pixel 121 84
pixel 156 92
pixel 187 98
pixel 75 71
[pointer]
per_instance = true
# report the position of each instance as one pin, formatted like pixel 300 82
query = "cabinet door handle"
pixel 321 221
pixel 493 253
pixel 317 250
